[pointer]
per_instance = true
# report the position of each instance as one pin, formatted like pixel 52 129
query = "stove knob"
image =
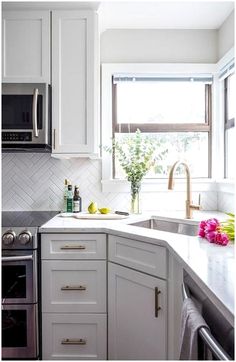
pixel 8 237
pixel 25 237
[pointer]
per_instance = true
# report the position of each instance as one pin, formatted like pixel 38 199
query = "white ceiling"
pixel 144 14
pixel 163 14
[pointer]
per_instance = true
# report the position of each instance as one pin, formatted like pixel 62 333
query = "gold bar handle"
pixel 73 247
pixel 157 308
pixel 74 287
pixel 80 341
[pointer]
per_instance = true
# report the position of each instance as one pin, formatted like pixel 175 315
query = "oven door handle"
pixel 17 258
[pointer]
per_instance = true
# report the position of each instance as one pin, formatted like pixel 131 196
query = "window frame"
pixel 228 122
pixel 164 69
pixel 166 127
pixel 163 127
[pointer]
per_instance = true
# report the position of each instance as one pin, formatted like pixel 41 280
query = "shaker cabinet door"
pixel 74 92
pixel 137 315
pixel 26 46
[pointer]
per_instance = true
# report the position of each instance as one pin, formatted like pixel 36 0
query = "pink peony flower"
pixel 211 225
pixel 222 239
pixel 201 233
pixel 202 224
pixel 211 236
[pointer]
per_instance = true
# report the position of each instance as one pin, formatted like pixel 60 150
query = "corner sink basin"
pixel 170 226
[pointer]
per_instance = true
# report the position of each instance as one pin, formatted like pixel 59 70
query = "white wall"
pixel 226 36
pixel 171 46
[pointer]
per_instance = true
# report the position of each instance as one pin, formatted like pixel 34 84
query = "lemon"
pixel 93 208
pixel 105 210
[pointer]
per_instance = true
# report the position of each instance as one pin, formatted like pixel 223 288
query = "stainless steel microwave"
pixel 26 120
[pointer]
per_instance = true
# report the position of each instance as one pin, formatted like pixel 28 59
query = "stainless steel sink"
pixel 170 226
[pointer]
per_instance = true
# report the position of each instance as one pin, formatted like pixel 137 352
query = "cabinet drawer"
pixel 73 286
pixel 73 246
pixel 135 254
pixel 74 336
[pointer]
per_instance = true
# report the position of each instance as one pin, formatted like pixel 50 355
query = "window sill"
pixel 160 185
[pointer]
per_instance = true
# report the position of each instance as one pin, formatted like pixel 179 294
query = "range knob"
pixel 8 237
pixel 25 237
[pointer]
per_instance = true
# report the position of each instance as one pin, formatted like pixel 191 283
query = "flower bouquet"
pixel 217 232
pixel 136 155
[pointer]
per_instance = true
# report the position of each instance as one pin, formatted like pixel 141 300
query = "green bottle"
pixel 69 199
pixel 66 183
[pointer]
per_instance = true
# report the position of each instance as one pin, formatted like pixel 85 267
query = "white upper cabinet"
pixel 75 87
pixel 26 46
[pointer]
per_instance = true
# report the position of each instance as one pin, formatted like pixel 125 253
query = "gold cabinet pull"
pixel 73 247
pixel 157 308
pixel 74 287
pixel 80 341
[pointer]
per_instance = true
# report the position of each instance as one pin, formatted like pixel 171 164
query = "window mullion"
pixel 167 127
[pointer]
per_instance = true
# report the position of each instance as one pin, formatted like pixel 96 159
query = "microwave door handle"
pixel 34 112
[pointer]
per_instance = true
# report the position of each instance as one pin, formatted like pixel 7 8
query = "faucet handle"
pixel 196 207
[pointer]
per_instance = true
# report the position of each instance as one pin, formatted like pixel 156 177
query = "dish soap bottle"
pixel 69 199
pixel 77 201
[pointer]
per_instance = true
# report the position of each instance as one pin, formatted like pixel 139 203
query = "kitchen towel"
pixel 191 321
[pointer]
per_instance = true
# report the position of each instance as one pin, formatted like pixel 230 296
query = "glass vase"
pixel 135 201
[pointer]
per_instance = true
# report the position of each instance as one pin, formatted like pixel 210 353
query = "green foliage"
pixel 136 155
pixel 228 226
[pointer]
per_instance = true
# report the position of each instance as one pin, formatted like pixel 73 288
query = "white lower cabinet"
pixel 137 315
pixel 75 324
pixel 74 336
pixel 74 294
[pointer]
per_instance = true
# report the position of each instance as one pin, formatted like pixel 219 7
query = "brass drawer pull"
pixel 73 287
pixel 73 341
pixel 73 247
pixel 157 308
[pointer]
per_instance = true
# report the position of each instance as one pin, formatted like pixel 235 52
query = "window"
pixel 229 125
pixel 174 110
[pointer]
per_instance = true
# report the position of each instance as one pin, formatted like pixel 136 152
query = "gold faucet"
pixel 189 207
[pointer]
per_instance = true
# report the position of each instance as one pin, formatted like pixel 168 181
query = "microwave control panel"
pixel 16 136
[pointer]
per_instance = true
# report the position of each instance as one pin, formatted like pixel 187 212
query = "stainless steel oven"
pixel 20 283
pixel 19 331
pixel 26 121
pixel 19 271
pixel 19 293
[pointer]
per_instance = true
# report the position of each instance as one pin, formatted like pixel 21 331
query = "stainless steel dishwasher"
pixel 220 339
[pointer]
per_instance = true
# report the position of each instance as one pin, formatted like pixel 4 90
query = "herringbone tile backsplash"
pixel 35 181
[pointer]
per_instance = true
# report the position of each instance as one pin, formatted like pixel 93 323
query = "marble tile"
pixel 35 182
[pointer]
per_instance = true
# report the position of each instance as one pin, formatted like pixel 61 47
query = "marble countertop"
pixel 211 266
